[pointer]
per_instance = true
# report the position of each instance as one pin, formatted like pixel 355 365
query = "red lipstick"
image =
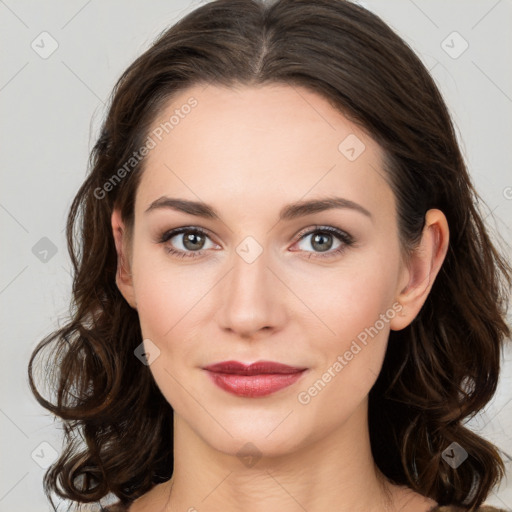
pixel 257 379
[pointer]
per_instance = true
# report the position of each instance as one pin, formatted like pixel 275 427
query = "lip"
pixel 258 379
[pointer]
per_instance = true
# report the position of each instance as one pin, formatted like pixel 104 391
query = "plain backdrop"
pixel 59 61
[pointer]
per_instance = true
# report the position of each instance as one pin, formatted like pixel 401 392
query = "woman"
pixel 286 298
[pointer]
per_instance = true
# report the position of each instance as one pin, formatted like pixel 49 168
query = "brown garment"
pixel 449 508
pixel 117 507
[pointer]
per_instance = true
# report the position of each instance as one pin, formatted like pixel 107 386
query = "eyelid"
pixel 171 233
pixel 345 238
pixel 340 233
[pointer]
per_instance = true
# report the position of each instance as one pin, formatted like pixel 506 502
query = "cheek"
pixel 349 299
pixel 167 294
pixel 349 362
pixel 167 303
pixel 174 304
pixel 355 304
pixel 360 319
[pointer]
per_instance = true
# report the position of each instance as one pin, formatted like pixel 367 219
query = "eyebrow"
pixel 288 212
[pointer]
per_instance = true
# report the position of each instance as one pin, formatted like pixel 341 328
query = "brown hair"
pixel 438 371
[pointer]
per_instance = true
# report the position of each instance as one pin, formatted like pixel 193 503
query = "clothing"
pixel 447 508
pixel 116 507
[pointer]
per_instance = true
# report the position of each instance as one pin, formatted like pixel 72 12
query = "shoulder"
pixel 117 507
pixel 96 507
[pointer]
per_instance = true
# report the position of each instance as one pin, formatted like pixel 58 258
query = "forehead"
pixel 263 143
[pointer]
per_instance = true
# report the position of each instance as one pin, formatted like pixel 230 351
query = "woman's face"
pixel 267 278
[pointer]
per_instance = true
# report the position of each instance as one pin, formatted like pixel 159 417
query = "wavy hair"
pixel 439 371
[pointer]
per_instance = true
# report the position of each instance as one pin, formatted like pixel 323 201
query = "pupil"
pixel 324 245
pixel 192 238
pixel 321 242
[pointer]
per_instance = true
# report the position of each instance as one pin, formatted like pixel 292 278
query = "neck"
pixel 336 472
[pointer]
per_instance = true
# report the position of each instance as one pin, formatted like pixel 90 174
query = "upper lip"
pixel 257 368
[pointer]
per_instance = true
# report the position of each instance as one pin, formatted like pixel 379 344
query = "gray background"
pixel 52 106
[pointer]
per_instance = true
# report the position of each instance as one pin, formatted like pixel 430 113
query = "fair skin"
pixel 248 152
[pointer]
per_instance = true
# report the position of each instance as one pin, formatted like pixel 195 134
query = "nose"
pixel 251 299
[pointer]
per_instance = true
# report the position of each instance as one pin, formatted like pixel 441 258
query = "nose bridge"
pixel 250 302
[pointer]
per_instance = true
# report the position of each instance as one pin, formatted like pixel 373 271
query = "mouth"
pixel 258 379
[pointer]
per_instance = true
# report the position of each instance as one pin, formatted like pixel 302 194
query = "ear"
pixel 422 269
pixel 124 279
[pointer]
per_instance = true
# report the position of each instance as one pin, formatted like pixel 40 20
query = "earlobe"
pixel 423 267
pixel 124 279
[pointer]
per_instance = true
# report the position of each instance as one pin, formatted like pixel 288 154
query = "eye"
pixel 186 241
pixel 191 242
pixel 326 241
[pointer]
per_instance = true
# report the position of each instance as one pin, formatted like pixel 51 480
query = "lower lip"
pixel 254 385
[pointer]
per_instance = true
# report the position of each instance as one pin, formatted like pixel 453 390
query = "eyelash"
pixel 346 239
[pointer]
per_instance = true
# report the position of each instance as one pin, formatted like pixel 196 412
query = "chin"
pixel 251 447
pixel 258 434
